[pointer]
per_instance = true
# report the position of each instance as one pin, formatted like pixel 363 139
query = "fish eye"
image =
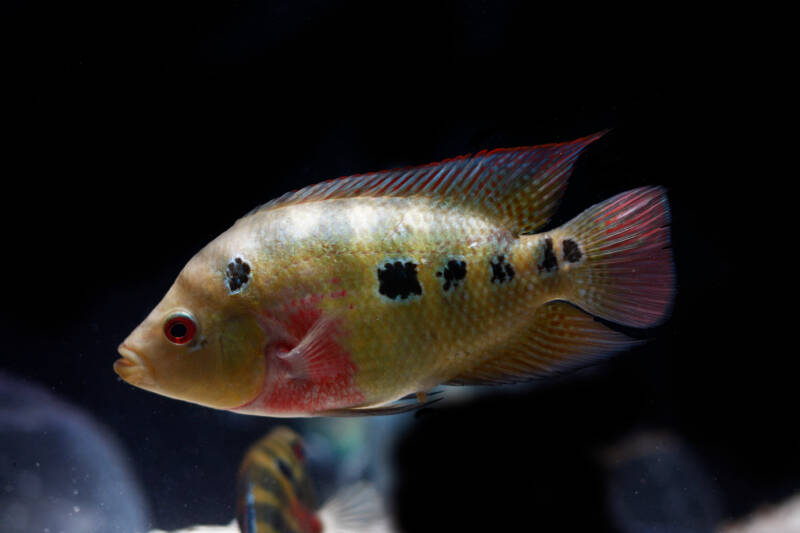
pixel 180 328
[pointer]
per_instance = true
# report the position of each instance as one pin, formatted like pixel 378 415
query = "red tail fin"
pixel 623 267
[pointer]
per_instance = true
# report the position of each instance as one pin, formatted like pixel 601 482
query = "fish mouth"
pixel 131 366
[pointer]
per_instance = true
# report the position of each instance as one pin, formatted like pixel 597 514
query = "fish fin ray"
pixel 317 355
pixel 628 274
pixel 559 338
pixel 357 508
pixel 393 408
pixel 518 188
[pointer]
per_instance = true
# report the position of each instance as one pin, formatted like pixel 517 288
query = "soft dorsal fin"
pixel 559 337
pixel 518 188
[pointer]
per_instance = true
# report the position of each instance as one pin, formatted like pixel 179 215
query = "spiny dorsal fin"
pixel 518 188
pixel 559 337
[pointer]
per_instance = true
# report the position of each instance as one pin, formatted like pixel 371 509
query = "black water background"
pixel 136 134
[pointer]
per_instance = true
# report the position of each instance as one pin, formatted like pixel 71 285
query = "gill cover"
pixel 198 345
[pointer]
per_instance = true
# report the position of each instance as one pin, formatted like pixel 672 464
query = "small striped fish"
pixel 274 494
pixel 345 297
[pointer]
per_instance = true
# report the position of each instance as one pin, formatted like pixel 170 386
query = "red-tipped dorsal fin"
pixel 518 188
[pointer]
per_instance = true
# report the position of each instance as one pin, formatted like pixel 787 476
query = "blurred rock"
pixel 783 518
pixel 60 472
pixel 655 484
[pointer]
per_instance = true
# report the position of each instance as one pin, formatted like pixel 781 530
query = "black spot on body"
pixel 237 274
pixel 453 273
pixel 399 280
pixel 501 271
pixel 572 252
pixel 549 261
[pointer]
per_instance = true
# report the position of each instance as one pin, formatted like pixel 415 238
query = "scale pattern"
pixel 347 296
pixel 329 255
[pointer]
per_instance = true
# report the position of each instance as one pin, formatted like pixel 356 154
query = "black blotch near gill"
pixel 237 274
pixel 549 261
pixel 572 251
pixel 453 272
pixel 501 271
pixel 399 280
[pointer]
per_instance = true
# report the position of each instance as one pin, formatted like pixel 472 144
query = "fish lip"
pixel 129 357
pixel 131 366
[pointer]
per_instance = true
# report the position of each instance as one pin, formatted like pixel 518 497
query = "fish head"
pixel 200 344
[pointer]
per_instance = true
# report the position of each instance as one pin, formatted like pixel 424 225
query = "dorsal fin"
pixel 518 188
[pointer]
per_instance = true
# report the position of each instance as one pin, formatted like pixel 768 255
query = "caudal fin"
pixel 622 265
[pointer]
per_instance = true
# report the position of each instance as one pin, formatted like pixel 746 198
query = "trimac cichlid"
pixel 346 296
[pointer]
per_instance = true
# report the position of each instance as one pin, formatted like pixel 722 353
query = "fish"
pixel 275 493
pixel 360 295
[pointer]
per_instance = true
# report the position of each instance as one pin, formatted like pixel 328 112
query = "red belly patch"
pixel 308 370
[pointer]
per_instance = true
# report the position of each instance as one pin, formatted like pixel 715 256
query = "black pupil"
pixel 178 330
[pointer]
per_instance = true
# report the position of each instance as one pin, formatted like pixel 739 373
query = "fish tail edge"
pixel 622 267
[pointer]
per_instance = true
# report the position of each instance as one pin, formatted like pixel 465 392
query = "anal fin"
pixel 403 405
pixel 558 338
pixel 317 356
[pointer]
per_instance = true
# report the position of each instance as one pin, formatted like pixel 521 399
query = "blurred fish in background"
pixel 275 492
pixel 60 471
pixel 345 451
pixel 277 486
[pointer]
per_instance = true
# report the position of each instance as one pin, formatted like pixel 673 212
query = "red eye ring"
pixel 180 328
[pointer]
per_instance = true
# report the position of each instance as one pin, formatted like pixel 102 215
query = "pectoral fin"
pixel 317 356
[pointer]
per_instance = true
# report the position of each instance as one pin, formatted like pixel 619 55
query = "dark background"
pixel 135 134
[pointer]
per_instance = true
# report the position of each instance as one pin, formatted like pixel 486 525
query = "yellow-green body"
pixel 399 346
pixel 346 296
